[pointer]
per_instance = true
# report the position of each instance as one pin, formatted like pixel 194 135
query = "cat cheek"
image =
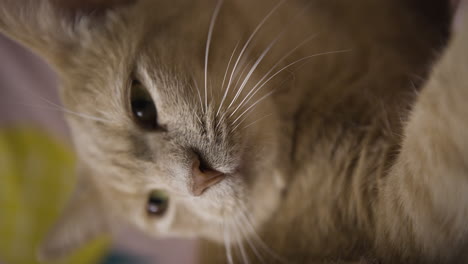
pixel 82 220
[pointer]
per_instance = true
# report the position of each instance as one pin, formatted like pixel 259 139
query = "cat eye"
pixel 143 107
pixel 157 203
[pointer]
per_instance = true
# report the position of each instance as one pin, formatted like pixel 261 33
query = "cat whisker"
pixel 85 116
pixel 266 51
pixel 250 124
pixel 253 90
pixel 256 121
pixel 245 216
pixel 208 43
pixel 303 59
pixel 67 111
pixel 224 79
pixel 240 123
pixel 252 245
pixel 252 106
pixel 211 89
pixel 238 80
pixel 283 69
pixel 227 243
pixel 242 74
pixel 199 119
pixel 247 43
pixel 254 67
pixel 199 94
pixel 240 244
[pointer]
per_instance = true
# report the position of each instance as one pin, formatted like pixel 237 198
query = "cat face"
pixel 163 143
pixel 185 136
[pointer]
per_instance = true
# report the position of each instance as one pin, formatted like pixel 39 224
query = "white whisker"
pixel 241 245
pixel 237 82
pixel 55 107
pixel 272 68
pixel 256 121
pixel 224 79
pixel 198 119
pixel 289 65
pixel 240 78
pixel 252 245
pixel 244 214
pixel 247 78
pixel 247 43
pixel 242 73
pixel 211 89
pixel 208 43
pixel 265 52
pixel 195 111
pixel 86 116
pixel 300 60
pixel 199 94
pixel 253 105
pixel 246 116
pixel 227 244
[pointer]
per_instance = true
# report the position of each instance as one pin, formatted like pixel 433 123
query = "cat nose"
pixel 203 177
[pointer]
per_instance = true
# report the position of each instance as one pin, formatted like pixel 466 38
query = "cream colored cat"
pixel 279 130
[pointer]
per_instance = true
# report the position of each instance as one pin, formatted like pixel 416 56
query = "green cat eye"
pixel 143 107
pixel 158 202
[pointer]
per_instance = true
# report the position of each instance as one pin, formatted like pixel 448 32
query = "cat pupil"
pixel 157 203
pixel 143 108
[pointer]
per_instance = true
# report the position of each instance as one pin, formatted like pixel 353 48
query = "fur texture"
pixel 339 156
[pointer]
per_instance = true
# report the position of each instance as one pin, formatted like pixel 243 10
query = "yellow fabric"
pixel 36 179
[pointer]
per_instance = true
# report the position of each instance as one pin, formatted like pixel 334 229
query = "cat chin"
pixel 255 192
pixel 244 216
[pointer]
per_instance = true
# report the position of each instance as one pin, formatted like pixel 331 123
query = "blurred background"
pixel 37 172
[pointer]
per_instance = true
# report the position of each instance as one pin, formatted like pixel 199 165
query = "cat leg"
pixel 422 209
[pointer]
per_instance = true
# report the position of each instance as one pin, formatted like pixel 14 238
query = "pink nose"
pixel 203 178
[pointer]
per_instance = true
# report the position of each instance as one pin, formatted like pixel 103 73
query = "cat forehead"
pixel 104 83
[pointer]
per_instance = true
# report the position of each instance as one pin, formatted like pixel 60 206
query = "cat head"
pixel 163 143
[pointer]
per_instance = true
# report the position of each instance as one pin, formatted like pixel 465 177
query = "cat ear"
pixel 52 28
pixel 81 221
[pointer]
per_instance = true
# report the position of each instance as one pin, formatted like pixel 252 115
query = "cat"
pixel 278 132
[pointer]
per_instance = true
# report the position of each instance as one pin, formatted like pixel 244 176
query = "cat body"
pixel 311 110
